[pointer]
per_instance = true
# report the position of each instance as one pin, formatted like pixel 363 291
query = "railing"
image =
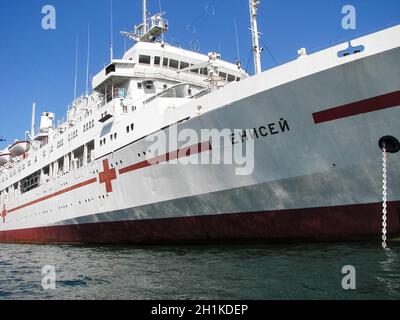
pixel 171 92
pixel 117 93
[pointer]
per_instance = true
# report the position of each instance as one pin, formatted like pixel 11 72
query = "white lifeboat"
pixel 5 158
pixel 19 148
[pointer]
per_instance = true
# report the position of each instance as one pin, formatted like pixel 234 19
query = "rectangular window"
pixel 149 85
pixel 165 62
pixel 157 61
pixel 204 71
pixel 110 68
pixel 183 65
pixel 144 59
pixel 139 85
pixel 174 64
pixel 222 75
pixel 231 78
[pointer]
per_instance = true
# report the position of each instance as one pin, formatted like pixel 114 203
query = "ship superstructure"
pixel 152 75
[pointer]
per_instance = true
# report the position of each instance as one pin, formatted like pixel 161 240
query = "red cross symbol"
pixel 107 176
pixel 4 214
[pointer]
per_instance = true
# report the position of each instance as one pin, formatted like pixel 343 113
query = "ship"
pixel 314 131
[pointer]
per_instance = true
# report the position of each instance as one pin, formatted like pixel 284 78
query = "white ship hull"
pixel 318 178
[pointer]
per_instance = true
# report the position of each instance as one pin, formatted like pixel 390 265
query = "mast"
pixel 255 35
pixel 76 69
pixel 87 62
pixel 111 32
pixel 33 121
pixel 150 29
pixel 144 16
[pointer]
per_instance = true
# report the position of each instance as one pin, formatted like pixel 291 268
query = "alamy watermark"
pixel 49 21
pixel 233 147
pixel 349 280
pixel 49 278
pixel 209 146
pixel 349 21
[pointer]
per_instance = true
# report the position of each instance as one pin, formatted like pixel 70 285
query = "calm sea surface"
pixel 214 272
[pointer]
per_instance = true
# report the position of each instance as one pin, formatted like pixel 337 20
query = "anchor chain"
pixel 384 198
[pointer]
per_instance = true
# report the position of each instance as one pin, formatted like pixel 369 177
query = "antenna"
pixel 144 16
pixel 237 43
pixel 76 67
pixel 254 4
pixel 112 37
pixel 33 121
pixel 124 42
pixel 88 61
pixel 160 8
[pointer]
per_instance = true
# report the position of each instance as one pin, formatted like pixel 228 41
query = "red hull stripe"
pixel 58 193
pixel 349 222
pixel 386 101
pixel 185 152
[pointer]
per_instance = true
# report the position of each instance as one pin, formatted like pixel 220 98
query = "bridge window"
pixel 196 71
pixel 157 61
pixel 110 68
pixel 183 65
pixel 222 75
pixel 144 59
pixel 231 78
pixel 165 62
pixel 174 64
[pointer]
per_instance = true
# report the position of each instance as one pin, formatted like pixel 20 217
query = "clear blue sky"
pixel 38 65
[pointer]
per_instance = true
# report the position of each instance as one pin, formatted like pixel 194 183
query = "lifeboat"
pixel 5 158
pixel 19 148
